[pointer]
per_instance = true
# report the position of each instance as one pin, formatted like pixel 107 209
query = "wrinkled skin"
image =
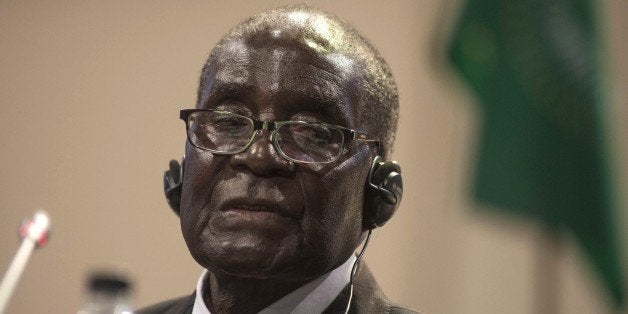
pixel 262 225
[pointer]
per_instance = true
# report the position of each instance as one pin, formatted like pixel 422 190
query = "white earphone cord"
pixel 355 268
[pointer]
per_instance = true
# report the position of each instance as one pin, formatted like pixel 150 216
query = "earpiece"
pixel 172 184
pixel 385 191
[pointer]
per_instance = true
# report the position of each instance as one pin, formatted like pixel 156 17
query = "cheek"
pixel 334 203
pixel 346 198
pixel 199 179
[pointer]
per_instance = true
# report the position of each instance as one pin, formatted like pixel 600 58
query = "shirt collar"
pixel 199 303
pixel 313 297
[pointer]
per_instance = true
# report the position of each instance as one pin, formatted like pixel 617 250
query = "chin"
pixel 258 266
pixel 251 256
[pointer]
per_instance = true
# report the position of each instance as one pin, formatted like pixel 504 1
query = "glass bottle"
pixel 107 293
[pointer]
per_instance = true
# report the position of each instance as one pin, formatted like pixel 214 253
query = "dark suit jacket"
pixel 367 298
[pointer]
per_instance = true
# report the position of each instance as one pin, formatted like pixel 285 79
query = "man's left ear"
pixel 173 183
pixel 384 189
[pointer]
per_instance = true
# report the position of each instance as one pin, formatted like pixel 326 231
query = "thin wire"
pixel 355 268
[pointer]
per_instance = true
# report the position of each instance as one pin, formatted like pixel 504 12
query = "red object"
pixel 25 230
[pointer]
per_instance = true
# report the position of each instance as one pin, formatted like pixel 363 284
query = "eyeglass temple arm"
pixel 357 136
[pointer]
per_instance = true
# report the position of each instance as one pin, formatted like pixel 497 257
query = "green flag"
pixel 534 65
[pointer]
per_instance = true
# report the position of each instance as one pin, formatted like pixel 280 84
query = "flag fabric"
pixel 534 66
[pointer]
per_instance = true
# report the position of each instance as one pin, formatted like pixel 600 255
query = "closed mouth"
pixel 256 206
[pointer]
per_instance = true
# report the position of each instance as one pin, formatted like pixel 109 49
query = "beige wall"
pixel 90 94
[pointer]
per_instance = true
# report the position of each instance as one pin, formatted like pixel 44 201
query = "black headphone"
pixel 384 190
pixel 173 178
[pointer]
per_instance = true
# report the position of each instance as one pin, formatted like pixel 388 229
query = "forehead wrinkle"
pixel 232 75
pixel 324 91
pixel 327 74
pixel 319 90
pixel 321 97
pixel 226 89
pixel 325 84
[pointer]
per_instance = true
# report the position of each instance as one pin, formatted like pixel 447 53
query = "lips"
pixel 262 208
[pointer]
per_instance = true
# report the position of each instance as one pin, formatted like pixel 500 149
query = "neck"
pixel 231 294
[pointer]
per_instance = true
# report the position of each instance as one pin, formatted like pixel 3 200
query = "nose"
pixel 262 159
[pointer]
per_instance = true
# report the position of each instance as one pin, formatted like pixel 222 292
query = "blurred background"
pixel 90 96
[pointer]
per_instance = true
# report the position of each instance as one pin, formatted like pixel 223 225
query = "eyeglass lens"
pixel 309 142
pixel 224 132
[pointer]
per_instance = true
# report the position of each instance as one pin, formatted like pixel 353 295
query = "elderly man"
pixel 284 173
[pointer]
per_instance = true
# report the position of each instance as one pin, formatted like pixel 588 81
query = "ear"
pixel 172 185
pixel 383 192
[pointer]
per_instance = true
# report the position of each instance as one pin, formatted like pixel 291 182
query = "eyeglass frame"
pixel 272 126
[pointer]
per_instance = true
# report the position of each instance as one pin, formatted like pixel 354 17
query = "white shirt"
pixel 313 297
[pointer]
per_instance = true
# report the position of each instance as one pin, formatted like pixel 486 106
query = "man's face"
pixel 255 214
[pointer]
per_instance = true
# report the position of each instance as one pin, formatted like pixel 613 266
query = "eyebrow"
pixel 223 90
pixel 336 108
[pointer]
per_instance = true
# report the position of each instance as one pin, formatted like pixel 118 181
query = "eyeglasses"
pixel 224 132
